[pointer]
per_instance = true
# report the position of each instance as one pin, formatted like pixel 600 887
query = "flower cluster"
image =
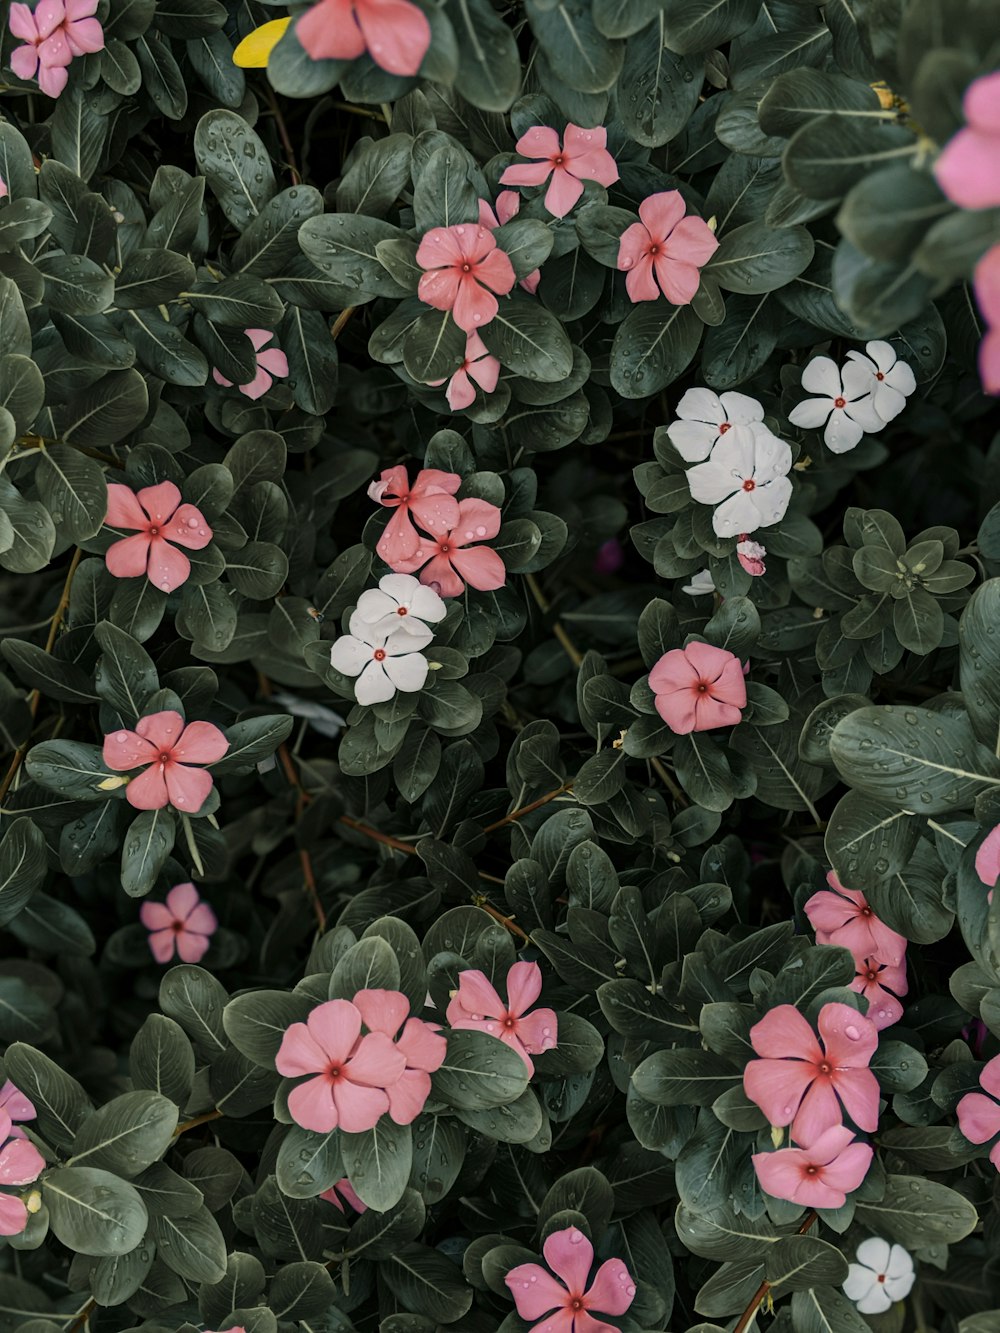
pixel 843 917
pixel 395 33
pixel 744 476
pixel 861 397
pixel 386 634
pixel 20 1161
pixel 979 1112
pixel 55 34
pixel 582 156
pixel 477 1007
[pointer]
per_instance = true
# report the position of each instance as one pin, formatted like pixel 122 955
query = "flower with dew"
pixel 819 1176
pixel 171 756
pixel 388 1012
pixel 383 662
pixel 508 205
pixel 845 406
pixel 477 1007
pixel 880 984
pixel 668 245
pixel 395 33
pixel 800 1083
pixel 161 523
pixel 447 563
pixel 746 479
pixel 349 1072
pixel 463 269
pixel 20 1164
pixel 751 556
pixel 14 1106
pixel 891 380
pixel 478 367
pixel 701 584
pixel 569 1304
pixel 271 363
pixel 979 1112
pixel 986 283
pixel 183 924
pixel 968 169
pixel 341 1193
pixel 53 35
pixel 844 917
pixel 582 156
pixel 698 688
pixel 881 1274
pixel 400 602
pixel 430 501
pixel 705 417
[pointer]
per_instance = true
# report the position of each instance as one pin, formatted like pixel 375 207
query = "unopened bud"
pixel 777 1135
pixel 33 1202
pixel 113 783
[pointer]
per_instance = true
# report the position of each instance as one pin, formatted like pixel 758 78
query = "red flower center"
pixel 840 402
pixel 466 268
pixel 558 161
pixel 576 1303
pixel 881 1276
pixel 825 1068
pixel 379 654
pixel 153 530
pixel 510 1022
pixel 724 427
pixel 165 756
pixel 867 911
pixel 870 975
pixel 402 610
pixel 654 249
pixel 444 548
pixel 177 926
pixel 702 687
pixel 333 1072
pixel 749 484
pixel 812 1170
pixel 880 376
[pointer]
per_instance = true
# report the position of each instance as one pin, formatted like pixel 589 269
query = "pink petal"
pixel 987 285
pixel 710 662
pixel 200 743
pixel 433 481
pixel 329 31
pixel 481 568
pixel 710 714
pixel 692 241
pixel 51 80
pixel 496 271
pixel 259 338
pixel 539 141
pixel 460 392
pixel 968 171
pixel 148 791
pixel 477 997
pixel 639 282
pixel 397 33
pixel 978 1117
pixel 127 559
pixel 124 750
pixel 335 1026
pixel 526 173
pixel 13 1213
pixel 400 540
pixel 849 1038
pixel 187 788
pixel 777 1087
pixel 981 103
pixel 160 501
pixel 203 920
pixel 85 36
pixel 478 520
pixel 124 510
pixel 679 710
pixel 731 686
pixel 989 361
pixel 578 140
pixel 24 62
pixel 535 1290
pixel 376 1063
pixel 14 1102
pixel 312 1106
pixel 382 1010
pixel 563 192
pixel 358 1108
pixel 21 22
pixel 848 1170
pixel 487 218
pixel 508 205
pixel 275 361
pixel 661 213
pixel 49 15
pixel 612 1291
pixel 673 671
pixel 182 900
pixel 439 247
pixel 988 858
pixel 434 511
pixel 581 1323
pixel 258 386
pixel 570 1255
pixel 20 1163
pixel 188 528
pixel 161 729
pixel 596 165
pixel 439 288
pixel 167 567
pixel 486 372
pixel 438 574
pixel 474 306
pixel 530 284
pixel 783 1031
pixel 781 1173
pixel 678 281
pixel 191 947
pixel 408 1096
pixel 990 1077
pixel 818 1112
pixel 422 1045
pixel 538 1031
pixel 300 1052
pixel 524 985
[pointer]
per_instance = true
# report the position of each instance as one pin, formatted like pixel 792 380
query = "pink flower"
pixel 447 559
pixel 479 366
pixel 430 501
pixel 979 1116
pixel 988 859
pixel 53 35
pixel 20 1164
pixel 844 918
pixel 352 1072
pixel 395 33
pixel 183 923
pixel 583 156
pixel 820 1176
pixel 986 281
pixel 477 1007
pixel 13 1215
pixel 698 688
pixel 751 556
pixel 464 268
pixel 3 188
pixel 798 1081
pixel 166 748
pixel 270 363
pixel 968 170
pixel 609 558
pixel 13 1106
pixel 161 519
pixel 344 1190
pixel 668 244
pixel 872 980
pixel 568 1303
pixel 508 206
pixel 386 1011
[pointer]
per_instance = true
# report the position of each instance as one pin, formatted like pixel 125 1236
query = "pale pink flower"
pixel 387 1012
pixel 478 366
pixel 14 1106
pixel 184 923
pixel 508 205
pixel 13 1215
pixel 477 1007
pixel 798 1081
pixel 271 363
pixel 880 983
pixel 344 1190
pixel 667 244
pixel 430 501
pixel 395 33
pixel 565 1306
pixel 968 170
pixel 20 1164
pixel 979 1116
pixel 464 269
pixel 582 156
pixel 988 858
pixel 170 754
pixel 53 34
pixel 351 1072
pixel 3 188
pixel 986 281
pixel 820 1176
pixel 844 917
pixel 751 556
pixel 448 560
pixel 698 688
pixel 163 523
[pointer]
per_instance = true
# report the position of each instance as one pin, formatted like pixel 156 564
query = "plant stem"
pixel 749 1314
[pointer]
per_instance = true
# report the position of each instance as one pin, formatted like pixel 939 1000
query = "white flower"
pixel 846 404
pixel 705 417
pixel 891 381
pixel 320 718
pixel 746 478
pixel 883 1274
pixel 701 583
pixel 399 602
pixel 383 663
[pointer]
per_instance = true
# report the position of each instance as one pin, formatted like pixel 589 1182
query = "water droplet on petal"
pixel 851 1032
pixel 192 522
pixel 480 532
pixel 575 1237
pixel 122 737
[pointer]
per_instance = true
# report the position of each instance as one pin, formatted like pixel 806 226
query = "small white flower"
pixel 746 477
pixel 320 718
pixel 701 583
pixel 892 381
pixel 883 1274
pixel 845 406
pixel 400 602
pixel 383 663
pixel 705 417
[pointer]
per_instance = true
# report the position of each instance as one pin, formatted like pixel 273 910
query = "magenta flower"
pixel 798 1082
pixel 820 1176
pixel 477 1007
pixel 978 1115
pixel 448 560
pixel 53 35
pixel 880 983
pixel 666 243
pixel 609 558
pixel 162 524
pixel 169 753
pixel 344 1190
pixel 271 363
pixel 351 1072
pixel 508 205
pixel 751 556
pixel 184 923
pixel 568 1303
pixel 430 501
pixel 13 1106
pixel 844 918
pixel 968 170
pixel 386 1012
pixel 582 156
pixel 986 281
pixel 478 366
pixel 464 269
pixel 698 688
pixel 395 33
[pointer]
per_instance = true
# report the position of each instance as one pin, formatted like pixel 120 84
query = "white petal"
pixel 875 1253
pixel 857 380
pixel 900 1265
pixel 737 451
pixel 362 631
pixel 736 515
pixel 822 376
pixel 865 361
pixel 400 587
pixel 862 410
pixel 701 405
pixel 741 409
pixel 409 640
pixel 349 655
pixel 425 603
pixel 876 1302
pixel 859 1282
pixel 887 401
pixel 901 378
pixel 811 412
pixel 772 457
pixel 701 583
pixel 693 440
pixel 374 605
pixel 771 501
pixel 407 673
pixel 841 432
pixel 394 621
pixel 373 686
pixel 710 483
pixel 898 1288
pixel 883 354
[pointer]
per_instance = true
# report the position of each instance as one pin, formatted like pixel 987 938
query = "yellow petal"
pixel 255 49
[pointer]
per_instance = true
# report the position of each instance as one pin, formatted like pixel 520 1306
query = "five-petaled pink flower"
pixel 477 1007
pixel 271 363
pixel 395 33
pixel 508 205
pixel 478 366
pixel 978 1115
pixel 666 243
pixel 20 1164
pixel 163 524
pixel 844 917
pixel 430 501
pixel 171 754
pixel 968 170
pixel 567 1304
pixel 698 688
pixel 820 1176
pixel 582 156
pixel 350 1071
pixel 53 35
pixel 387 1011
pixel 880 983
pixel 448 560
pixel 344 1190
pixel 183 923
pixel 798 1081
pixel 464 269
pixel 14 1106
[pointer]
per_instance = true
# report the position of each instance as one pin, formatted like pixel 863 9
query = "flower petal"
pixel 783 1031
pixel 822 376
pixel 539 141
pixel 124 750
pixel 408 672
pixel 524 985
pixel 200 743
pixel 477 997
pixel 535 1291
pixel 148 791
pixel 127 559
pixel 188 788
pixel 192 947
pixel 570 1255
pixel 612 1290
pixel 311 1105
pixel 188 528
pixel 124 510
pixel 182 900
pixel 563 192
pixel 166 567
pixel 661 213
pixel 162 944
pixel 329 31
pixel 335 1026
pixel 777 1087
pixel 382 1011
pixel 481 568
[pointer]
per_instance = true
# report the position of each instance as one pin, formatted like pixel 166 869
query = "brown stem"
pixel 747 1317
pixel 668 782
pixel 198 1120
pixel 340 322
pixel 82 1317
pixel 543 604
pixel 527 809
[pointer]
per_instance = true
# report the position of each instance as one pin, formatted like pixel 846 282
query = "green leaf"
pixel 584 57
pixel 796 1263
pixel 653 346
pixel 251 740
pixel 93 1212
pixel 312 359
pixel 427 1283
pixel 444 194
pixel 756 258
pixel 684 1078
pixel 148 843
pixel 342 245
pixel 256 1022
pixel 478 1072
pixel 105 412
pixel 829 154
pixel 308 1163
pixel 70 768
pixel 378 1163
pixel 979 662
pixel 75 285
pixel 489 66
pixel 125 676
pixel 162 78
pixel 161 1059
pixel 657 89
pixel 918 1212
pixel 192 1246
pixel 56 679
pixel 700 25
pixel 236 164
pixel 151 278
pixel 127 1134
pixel 801 95
pixel 529 340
